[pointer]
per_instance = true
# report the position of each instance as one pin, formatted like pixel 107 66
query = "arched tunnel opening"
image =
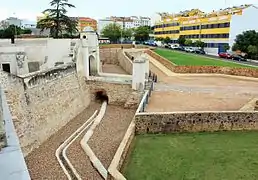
pixel 101 96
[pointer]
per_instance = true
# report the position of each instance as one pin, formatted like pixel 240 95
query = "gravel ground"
pixel 109 134
pixel 104 142
pixel 42 163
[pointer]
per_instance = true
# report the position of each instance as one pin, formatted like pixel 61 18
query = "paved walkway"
pixel 199 92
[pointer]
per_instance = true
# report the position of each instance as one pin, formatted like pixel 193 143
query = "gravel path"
pixel 104 142
pixel 42 163
pixel 109 134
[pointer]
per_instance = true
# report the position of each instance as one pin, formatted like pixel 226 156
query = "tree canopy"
pixel 142 33
pixel 113 32
pixel 247 42
pixel 57 20
pixel 13 30
pixel 181 40
pixel 188 42
pixel 167 40
pixel 199 44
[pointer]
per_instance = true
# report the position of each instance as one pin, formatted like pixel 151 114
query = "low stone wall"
pixel 249 72
pixel 44 102
pixel 109 56
pixel 108 46
pixel 195 122
pixel 118 93
pixel 125 62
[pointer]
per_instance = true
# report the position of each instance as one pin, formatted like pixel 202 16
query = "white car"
pixel 189 49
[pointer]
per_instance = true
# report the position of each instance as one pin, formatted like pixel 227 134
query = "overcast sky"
pixel 29 9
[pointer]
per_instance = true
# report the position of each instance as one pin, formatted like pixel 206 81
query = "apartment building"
pixel 124 22
pixel 216 29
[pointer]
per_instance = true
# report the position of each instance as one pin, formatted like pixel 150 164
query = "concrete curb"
pixel 84 143
pixel 67 143
pixel 90 121
pixel 116 161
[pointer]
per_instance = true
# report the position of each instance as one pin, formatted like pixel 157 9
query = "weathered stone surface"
pixel 133 100
pixel 195 122
pixel 45 103
pixel 117 93
pixel 249 72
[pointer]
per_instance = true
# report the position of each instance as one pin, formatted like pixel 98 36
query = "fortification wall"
pixel 195 122
pixel 44 102
pixel 118 93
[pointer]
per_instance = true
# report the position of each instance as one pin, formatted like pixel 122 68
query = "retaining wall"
pixel 118 93
pixel 249 72
pixel 125 62
pixel 195 122
pixel 43 102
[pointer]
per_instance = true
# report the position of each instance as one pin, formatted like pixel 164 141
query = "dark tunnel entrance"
pixel 101 96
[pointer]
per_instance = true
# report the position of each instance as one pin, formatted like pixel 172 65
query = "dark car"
pixel 200 51
pixel 238 57
pixel 180 48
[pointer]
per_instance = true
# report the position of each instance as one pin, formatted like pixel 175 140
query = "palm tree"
pixel 57 20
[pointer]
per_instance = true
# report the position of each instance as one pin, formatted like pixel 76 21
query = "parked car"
pixel 238 58
pixel 200 51
pixel 167 46
pixel 174 46
pixel 180 48
pixel 225 55
pixel 189 49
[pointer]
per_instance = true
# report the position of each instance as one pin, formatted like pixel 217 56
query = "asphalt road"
pixel 249 63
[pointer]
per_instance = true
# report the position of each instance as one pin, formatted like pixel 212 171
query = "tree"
pixel 159 39
pixel 199 44
pixel 245 39
pixel 252 51
pixel 127 33
pixel 167 40
pixel 181 40
pixel 142 33
pixel 247 42
pixel 226 47
pixel 112 31
pixel 57 20
pixel 188 42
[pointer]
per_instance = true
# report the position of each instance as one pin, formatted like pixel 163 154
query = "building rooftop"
pixel 198 13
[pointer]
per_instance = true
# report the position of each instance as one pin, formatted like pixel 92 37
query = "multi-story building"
pixel 216 29
pixel 14 21
pixel 86 21
pixel 124 22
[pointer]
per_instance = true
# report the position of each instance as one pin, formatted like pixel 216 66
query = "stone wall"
pixel 195 122
pixel 117 46
pixel 109 56
pixel 43 102
pixel 249 72
pixel 118 93
pixel 125 62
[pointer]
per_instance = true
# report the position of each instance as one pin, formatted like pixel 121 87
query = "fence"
pixel 145 99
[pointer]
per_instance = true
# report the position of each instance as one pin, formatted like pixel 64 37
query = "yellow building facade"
pixel 212 28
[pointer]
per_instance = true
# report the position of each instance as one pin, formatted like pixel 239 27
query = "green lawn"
pixel 197 156
pixel 180 58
